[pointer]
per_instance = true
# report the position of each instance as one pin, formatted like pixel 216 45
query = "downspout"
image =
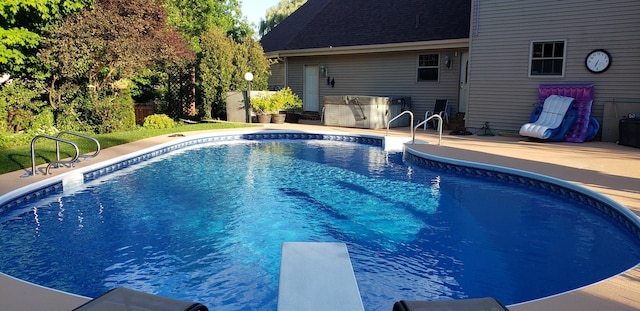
pixel 477 19
pixel 286 72
pixel 476 31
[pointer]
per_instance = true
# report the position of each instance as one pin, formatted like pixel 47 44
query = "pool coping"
pixel 631 221
pixel 69 180
pixel 341 132
pixel 593 199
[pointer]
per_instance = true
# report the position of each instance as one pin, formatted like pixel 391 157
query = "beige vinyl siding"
pixel 277 77
pixel 501 91
pixel 380 74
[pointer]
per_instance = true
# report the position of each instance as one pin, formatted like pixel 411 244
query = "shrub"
pixel 262 104
pixel 158 121
pixel 283 99
pixel 41 125
pixel 23 114
pixel 10 139
pixel 19 103
pixel 123 114
pixel 110 113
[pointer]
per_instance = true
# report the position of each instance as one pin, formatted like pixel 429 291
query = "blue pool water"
pixel 207 225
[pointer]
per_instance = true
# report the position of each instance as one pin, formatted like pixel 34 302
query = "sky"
pixel 255 10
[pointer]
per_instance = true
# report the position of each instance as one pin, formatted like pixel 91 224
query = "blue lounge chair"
pixel 577 124
pixel 552 120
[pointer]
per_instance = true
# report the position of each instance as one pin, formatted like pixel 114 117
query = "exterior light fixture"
pixel 447 61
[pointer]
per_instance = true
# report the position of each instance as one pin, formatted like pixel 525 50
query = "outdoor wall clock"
pixel 598 61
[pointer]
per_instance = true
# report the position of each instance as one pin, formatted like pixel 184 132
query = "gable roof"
pixel 321 24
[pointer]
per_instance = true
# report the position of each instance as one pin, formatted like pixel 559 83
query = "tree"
pixel 215 70
pixel 193 18
pixel 21 26
pixel 93 56
pixel 223 63
pixel 116 40
pixel 250 58
pixel 276 14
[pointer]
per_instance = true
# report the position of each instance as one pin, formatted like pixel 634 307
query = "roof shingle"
pixel 347 23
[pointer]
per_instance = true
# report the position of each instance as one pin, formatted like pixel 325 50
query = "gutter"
pixel 375 48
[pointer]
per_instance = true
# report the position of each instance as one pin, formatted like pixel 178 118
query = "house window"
pixel 428 67
pixel 547 58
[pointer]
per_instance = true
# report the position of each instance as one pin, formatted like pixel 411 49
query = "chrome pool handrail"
pixel 79 135
pixel 398 116
pixel 57 161
pixel 437 116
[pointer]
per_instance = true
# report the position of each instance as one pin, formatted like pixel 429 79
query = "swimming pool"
pixel 457 232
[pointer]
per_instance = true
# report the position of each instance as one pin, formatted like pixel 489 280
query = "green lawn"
pixel 19 158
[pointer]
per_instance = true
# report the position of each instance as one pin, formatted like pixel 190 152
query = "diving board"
pixel 317 276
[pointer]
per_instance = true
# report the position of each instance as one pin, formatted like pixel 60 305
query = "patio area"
pixel 607 168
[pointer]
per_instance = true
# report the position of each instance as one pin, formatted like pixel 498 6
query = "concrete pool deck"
pixel 607 168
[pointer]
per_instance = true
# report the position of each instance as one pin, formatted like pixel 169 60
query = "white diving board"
pixel 317 276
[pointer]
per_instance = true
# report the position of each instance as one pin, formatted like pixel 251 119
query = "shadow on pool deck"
pixel 607 168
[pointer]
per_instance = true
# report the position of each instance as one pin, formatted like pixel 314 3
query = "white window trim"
pixel 564 60
pixel 439 67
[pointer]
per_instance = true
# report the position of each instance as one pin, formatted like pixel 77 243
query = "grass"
pixel 19 158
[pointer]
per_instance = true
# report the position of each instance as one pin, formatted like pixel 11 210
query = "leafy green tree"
pixel 21 26
pixel 193 18
pixel 276 14
pixel 215 71
pixel 249 57
pixel 223 63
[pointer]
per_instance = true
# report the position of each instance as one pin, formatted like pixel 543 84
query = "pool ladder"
pixel 435 116
pixel 414 128
pixel 58 139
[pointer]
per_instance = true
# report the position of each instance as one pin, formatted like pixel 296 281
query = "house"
pixel 372 47
pixel 480 55
pixel 505 37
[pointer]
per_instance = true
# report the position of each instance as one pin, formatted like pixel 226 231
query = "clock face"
pixel 598 61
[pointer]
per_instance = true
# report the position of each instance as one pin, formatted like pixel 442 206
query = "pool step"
pixel 394 143
pixel 317 276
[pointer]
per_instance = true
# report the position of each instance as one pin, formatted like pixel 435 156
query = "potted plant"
pixel 287 104
pixel 263 107
pixel 276 103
